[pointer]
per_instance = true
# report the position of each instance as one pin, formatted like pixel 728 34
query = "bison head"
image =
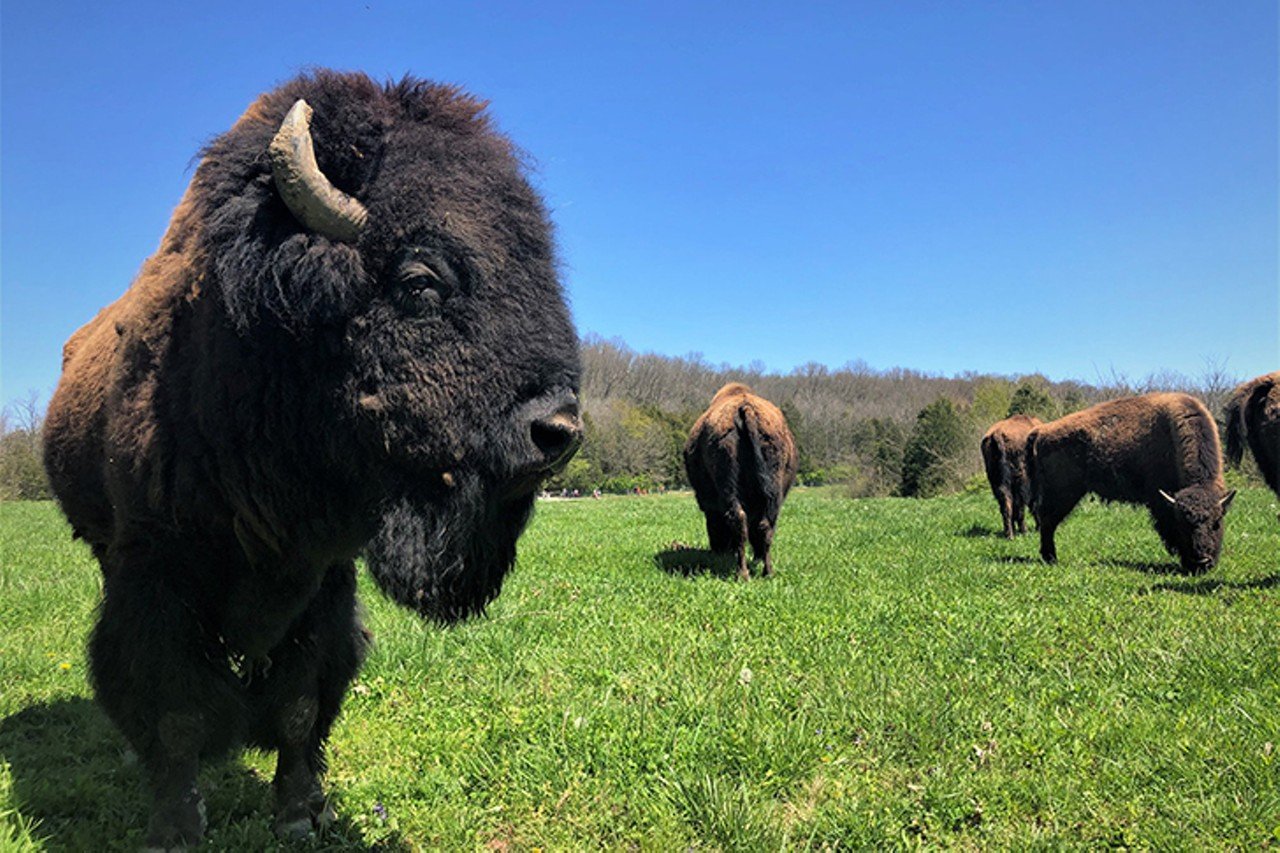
pixel 1197 524
pixel 381 249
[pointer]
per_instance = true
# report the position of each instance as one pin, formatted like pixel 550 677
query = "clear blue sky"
pixel 1071 188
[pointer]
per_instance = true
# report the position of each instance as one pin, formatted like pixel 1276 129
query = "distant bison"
pixel 352 339
pixel 741 461
pixel 1253 417
pixel 1004 454
pixel 1159 450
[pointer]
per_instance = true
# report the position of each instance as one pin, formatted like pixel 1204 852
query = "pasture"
pixel 908 678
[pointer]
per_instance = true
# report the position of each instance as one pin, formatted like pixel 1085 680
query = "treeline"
pixel 875 432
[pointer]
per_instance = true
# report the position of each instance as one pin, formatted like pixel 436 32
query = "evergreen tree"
pixel 930 462
pixel 1032 399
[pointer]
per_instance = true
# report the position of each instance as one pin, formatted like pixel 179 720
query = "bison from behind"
pixel 1004 455
pixel 1253 418
pixel 741 461
pixel 1158 450
pixel 351 339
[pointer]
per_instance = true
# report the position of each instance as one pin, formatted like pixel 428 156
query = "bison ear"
pixel 1225 503
pixel 1167 497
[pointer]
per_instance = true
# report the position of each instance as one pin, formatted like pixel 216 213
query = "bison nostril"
pixel 556 437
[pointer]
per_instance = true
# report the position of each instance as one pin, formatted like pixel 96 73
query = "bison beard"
pixel 447 561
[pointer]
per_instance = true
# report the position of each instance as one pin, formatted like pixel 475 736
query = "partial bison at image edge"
pixel 1252 415
pixel 351 339
pixel 1159 450
pixel 741 460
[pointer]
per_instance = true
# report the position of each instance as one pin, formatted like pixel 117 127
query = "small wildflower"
pixel 380 811
pixel 64 666
pixel 744 677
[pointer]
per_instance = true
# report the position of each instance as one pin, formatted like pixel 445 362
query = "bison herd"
pixel 352 341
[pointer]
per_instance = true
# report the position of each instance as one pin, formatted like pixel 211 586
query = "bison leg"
pixel 166 685
pixel 1019 514
pixel 1005 500
pixel 762 542
pixel 719 533
pixel 736 519
pixel 1048 551
pixel 1166 524
pixel 298 699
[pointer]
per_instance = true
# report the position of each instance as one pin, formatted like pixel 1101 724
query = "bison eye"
pixel 423 280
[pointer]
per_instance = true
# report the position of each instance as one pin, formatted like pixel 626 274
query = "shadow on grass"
pixel 980 531
pixel 686 562
pixel 72 780
pixel 1208 586
pixel 1147 567
pixel 1021 559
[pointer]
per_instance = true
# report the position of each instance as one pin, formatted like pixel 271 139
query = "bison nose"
pixel 557 436
pixel 552 428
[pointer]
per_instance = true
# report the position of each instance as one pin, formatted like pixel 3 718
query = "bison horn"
pixel 1166 496
pixel 312 199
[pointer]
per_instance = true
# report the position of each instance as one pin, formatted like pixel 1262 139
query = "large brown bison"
pixel 741 461
pixel 1159 450
pixel 1253 417
pixel 351 339
pixel 1004 455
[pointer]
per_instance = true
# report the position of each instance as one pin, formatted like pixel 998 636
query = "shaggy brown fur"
pixel 1253 417
pixel 264 403
pixel 1004 455
pixel 1159 450
pixel 741 461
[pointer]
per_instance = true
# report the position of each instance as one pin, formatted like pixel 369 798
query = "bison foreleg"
pixel 300 698
pixel 157 675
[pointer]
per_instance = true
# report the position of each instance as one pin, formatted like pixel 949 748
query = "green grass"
pixel 907 679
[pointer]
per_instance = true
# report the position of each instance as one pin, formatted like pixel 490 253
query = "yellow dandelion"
pixel 64 666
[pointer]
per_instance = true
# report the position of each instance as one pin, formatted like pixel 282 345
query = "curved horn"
pixel 314 201
pixel 1166 496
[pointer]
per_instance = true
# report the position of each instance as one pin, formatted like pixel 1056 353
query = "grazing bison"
pixel 351 339
pixel 1160 450
pixel 741 461
pixel 1004 454
pixel 1253 417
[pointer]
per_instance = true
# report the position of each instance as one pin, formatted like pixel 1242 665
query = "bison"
pixel 1160 450
pixel 1253 417
pixel 741 461
pixel 1004 451
pixel 351 340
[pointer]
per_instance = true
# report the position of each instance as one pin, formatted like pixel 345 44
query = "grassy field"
pixel 908 679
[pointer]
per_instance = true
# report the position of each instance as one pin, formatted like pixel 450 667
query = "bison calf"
pixel 1004 455
pixel 741 461
pixel 1160 450
pixel 1253 417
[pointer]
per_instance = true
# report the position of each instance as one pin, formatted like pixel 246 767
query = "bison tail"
pixel 1032 486
pixel 993 459
pixel 757 474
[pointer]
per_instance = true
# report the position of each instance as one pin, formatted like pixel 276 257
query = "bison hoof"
pixel 176 828
pixel 303 820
